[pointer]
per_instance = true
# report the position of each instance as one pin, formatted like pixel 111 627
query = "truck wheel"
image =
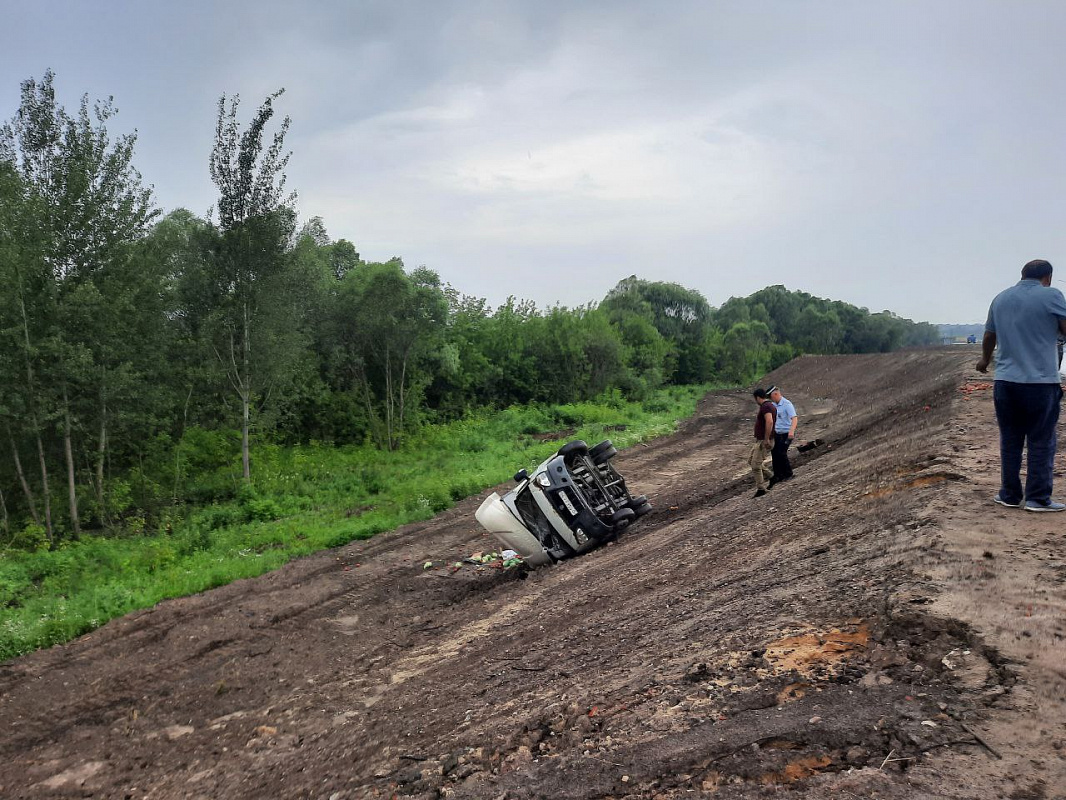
pixel 606 444
pixel 603 452
pixel 623 517
pixel 639 500
pixel 642 509
pixel 575 448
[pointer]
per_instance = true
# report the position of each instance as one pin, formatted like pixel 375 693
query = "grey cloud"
pixel 900 155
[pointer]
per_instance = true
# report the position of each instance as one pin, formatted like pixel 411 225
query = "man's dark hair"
pixel 760 393
pixel 1037 269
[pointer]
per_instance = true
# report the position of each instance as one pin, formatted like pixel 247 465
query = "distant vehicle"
pixel 572 503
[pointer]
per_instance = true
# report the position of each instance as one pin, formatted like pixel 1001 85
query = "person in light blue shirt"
pixel 784 433
pixel 1023 326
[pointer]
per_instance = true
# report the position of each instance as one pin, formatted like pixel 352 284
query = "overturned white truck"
pixel 573 502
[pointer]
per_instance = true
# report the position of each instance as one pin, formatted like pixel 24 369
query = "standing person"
pixel 1025 321
pixel 784 433
pixel 764 441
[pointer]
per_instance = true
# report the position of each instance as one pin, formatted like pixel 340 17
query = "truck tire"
pixel 603 452
pixel 574 448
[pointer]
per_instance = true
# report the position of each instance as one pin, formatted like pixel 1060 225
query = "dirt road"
pixel 874 628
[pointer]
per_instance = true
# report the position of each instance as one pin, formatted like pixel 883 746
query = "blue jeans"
pixel 1028 414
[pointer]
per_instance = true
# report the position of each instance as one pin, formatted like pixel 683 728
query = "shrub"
pixel 437 498
pixel 32 538
pixel 195 539
pixel 215 516
pixel 372 480
pixel 261 509
pixel 473 442
pixel 119 497
pixel 459 490
pixel 658 405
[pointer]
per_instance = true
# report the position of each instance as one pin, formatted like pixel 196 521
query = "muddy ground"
pixel 874 628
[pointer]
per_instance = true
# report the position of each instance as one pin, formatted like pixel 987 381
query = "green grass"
pixel 305 499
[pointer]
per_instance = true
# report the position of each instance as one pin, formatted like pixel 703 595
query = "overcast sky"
pixel 896 155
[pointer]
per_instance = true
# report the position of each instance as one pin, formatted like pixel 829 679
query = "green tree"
pixel 89 205
pixel 252 315
pixel 819 331
pixel 732 311
pixel 18 396
pixel 464 377
pixel 649 356
pixel 681 316
pixel 386 324
pixel 745 351
pixel 508 347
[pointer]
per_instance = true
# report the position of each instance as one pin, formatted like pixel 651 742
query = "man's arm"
pixel 792 427
pixel 988 346
pixel 768 421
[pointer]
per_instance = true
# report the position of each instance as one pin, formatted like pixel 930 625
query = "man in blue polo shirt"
pixel 784 433
pixel 1025 322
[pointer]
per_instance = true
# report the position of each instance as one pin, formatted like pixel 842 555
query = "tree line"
pixel 138 348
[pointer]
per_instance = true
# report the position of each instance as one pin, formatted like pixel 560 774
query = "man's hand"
pixel 988 346
pixel 768 444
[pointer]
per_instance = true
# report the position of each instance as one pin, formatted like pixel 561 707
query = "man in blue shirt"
pixel 1025 322
pixel 784 433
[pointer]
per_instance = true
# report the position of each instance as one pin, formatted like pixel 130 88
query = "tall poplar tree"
pixel 253 324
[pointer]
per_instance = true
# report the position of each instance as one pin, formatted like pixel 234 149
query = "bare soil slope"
pixel 856 633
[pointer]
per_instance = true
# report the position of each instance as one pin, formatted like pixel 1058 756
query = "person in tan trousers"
pixel 764 441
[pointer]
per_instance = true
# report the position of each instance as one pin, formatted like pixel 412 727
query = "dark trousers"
pixel 782 467
pixel 1027 414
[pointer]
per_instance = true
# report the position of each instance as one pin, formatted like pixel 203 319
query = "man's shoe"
pixel 770 483
pixel 999 499
pixel 760 492
pixel 1047 505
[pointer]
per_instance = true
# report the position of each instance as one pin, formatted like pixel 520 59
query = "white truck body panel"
pixel 498 520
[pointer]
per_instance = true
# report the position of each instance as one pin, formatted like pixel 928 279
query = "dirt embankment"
pixel 873 628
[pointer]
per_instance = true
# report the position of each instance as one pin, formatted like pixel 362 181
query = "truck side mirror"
pixel 521 475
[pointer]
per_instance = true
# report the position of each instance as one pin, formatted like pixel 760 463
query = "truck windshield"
pixel 532 516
